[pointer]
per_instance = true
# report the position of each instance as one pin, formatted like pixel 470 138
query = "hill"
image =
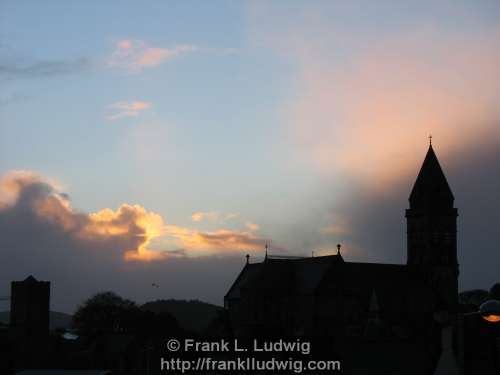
pixel 56 319
pixel 192 315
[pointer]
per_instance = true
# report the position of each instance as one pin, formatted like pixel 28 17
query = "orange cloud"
pixel 132 227
pixel 13 183
pixel 135 55
pixel 198 242
pixel 252 226
pixel 199 216
pixel 132 224
pixel 128 109
pixel 213 216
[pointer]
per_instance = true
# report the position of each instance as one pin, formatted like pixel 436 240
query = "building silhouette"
pixel 327 295
pixel 29 313
pixel 29 323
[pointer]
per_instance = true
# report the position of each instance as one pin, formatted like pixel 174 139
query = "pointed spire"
pixel 267 247
pixel 338 249
pixel 431 189
pixel 248 258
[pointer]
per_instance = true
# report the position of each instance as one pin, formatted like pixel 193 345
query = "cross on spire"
pixel 430 139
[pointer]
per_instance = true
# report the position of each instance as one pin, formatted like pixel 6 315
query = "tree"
pixel 108 312
pixel 495 292
pixel 473 297
pixel 103 312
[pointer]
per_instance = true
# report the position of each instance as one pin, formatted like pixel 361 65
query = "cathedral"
pixel 327 295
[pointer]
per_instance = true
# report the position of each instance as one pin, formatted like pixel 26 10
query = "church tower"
pixel 432 232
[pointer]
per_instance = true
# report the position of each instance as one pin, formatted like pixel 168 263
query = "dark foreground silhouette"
pixel 372 318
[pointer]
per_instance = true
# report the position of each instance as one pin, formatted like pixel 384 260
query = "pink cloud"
pixel 136 55
pixel 370 119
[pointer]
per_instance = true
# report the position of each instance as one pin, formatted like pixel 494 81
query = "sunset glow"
pixel 167 140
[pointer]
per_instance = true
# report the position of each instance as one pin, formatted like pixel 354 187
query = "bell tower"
pixel 432 232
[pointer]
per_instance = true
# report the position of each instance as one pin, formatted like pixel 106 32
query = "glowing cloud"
pixel 213 216
pixel 210 242
pixel 371 119
pixel 363 106
pixel 199 216
pixel 136 55
pixel 131 229
pixel 252 226
pixel 128 109
pixel 132 224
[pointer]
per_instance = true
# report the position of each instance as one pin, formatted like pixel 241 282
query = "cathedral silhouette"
pixel 351 301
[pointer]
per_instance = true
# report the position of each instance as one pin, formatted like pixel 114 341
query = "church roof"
pixel 246 274
pixel 431 189
pixel 281 276
pixel 395 285
pixel 309 272
pixel 310 275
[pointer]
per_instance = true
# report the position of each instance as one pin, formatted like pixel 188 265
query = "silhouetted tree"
pixel 474 297
pixel 495 292
pixel 193 315
pixel 108 312
pixel 103 312
pixel 220 326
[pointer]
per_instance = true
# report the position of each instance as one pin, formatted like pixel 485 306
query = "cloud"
pixel 199 216
pixel 8 99
pixel 124 250
pixel 364 100
pixel 131 226
pixel 363 104
pixel 136 55
pixel 127 109
pixel 199 242
pixel 213 216
pixel 364 120
pixel 334 229
pixel 41 69
pixel 252 226
pixel 231 216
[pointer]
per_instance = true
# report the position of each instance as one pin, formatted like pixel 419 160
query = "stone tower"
pixel 432 233
pixel 29 311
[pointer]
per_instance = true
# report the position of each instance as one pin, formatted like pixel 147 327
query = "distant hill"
pixel 474 297
pixel 56 319
pixel 192 315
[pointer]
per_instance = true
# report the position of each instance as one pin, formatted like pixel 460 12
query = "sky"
pixel 162 141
